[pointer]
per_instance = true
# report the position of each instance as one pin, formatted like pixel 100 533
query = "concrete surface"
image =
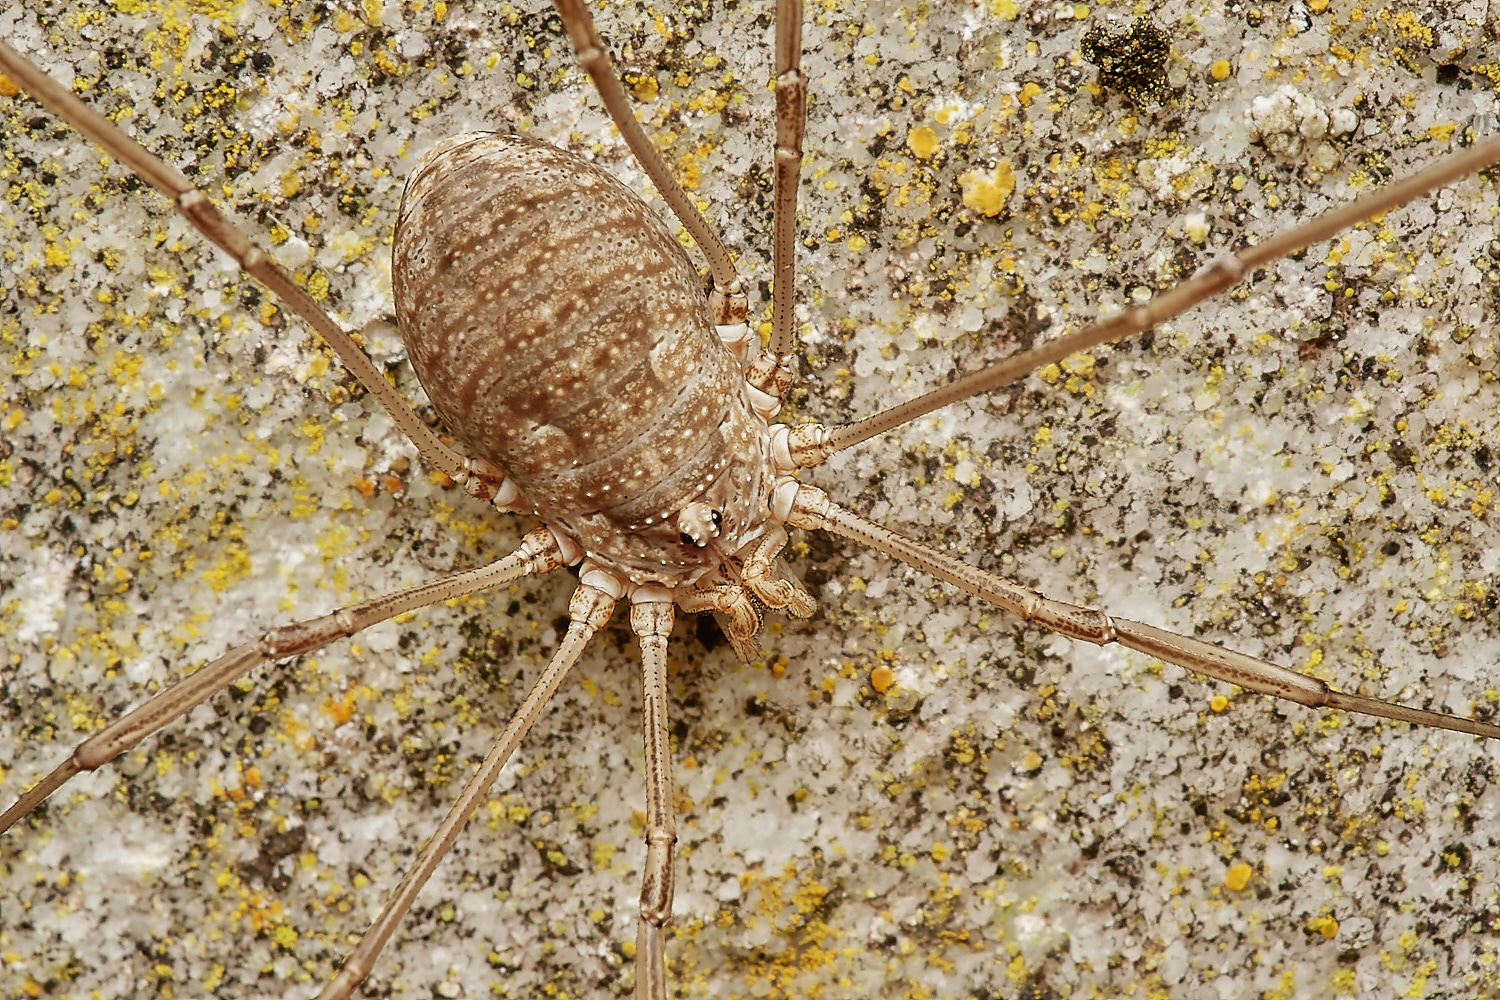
pixel 1302 470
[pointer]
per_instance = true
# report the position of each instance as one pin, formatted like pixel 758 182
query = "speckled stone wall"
pixel 1303 470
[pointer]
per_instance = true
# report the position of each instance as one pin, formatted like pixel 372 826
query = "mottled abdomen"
pixel 562 333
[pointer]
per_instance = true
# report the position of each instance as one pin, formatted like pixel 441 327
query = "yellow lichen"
pixel 923 142
pixel 987 192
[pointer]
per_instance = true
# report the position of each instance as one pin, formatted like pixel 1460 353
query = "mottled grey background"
pixel 1303 470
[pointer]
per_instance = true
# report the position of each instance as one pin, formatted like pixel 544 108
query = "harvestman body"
pixel 585 396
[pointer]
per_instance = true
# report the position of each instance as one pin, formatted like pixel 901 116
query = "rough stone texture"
pixel 1303 469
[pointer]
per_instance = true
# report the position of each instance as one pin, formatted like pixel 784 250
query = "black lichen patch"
pixel 1134 62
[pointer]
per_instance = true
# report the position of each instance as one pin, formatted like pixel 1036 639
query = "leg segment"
pixel 727 303
pixel 197 209
pixel 588 610
pixel 1217 277
pixel 652 622
pixel 538 554
pixel 814 510
pixel 772 373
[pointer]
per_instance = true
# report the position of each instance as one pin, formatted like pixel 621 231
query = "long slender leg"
pixel 773 373
pixel 537 554
pixel 197 209
pixel 728 302
pixel 652 622
pixel 588 610
pixel 814 510
pixel 1222 274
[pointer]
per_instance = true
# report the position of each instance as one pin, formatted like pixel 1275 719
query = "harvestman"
pixel 811 509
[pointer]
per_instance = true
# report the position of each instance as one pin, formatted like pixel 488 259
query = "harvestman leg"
pixel 1218 276
pixel 538 553
pixel 197 209
pixel 727 302
pixel 588 610
pixel 652 622
pixel 811 445
pixel 813 509
pixel 771 374
pixel 773 371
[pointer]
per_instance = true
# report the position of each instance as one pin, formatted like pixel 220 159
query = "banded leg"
pixel 537 554
pixel 652 622
pixel 194 206
pixel 727 303
pixel 1216 277
pixel 588 610
pixel 813 509
pixel 772 372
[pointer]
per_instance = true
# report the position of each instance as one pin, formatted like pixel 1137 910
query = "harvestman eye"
pixel 897 669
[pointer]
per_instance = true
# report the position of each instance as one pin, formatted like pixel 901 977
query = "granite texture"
pixel 1303 469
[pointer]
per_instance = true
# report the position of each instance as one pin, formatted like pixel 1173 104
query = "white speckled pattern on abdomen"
pixel 562 333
